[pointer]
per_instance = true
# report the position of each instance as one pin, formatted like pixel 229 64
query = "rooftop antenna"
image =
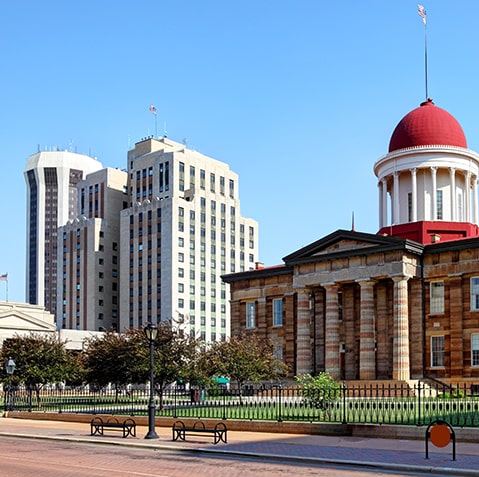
pixel 165 132
pixel 352 222
pixel 422 13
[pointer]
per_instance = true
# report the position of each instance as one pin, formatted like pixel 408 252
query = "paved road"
pixel 39 458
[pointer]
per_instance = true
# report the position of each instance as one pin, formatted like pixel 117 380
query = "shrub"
pixel 319 391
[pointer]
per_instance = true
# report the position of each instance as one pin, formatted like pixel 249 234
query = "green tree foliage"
pixel 124 358
pixel 245 358
pixel 108 359
pixel 319 391
pixel 175 358
pixel 39 360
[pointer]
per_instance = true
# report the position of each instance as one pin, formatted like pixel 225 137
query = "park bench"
pixel 198 428
pixel 98 425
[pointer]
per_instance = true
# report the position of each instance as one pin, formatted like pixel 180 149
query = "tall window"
pixel 475 293
pixel 475 350
pixel 460 207
pixel 277 312
pixel 437 297
pixel 278 352
pixel 340 305
pixel 439 204
pixel 409 206
pixel 437 351
pixel 250 314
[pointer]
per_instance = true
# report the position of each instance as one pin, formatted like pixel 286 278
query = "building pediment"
pixel 17 320
pixel 344 243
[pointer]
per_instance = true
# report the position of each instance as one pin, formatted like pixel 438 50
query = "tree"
pixel 108 359
pixel 124 358
pixel 39 360
pixel 174 358
pixel 245 358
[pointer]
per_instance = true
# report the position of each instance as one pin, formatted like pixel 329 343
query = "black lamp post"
pixel 151 332
pixel 10 369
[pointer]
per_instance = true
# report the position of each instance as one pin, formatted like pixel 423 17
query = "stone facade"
pixel 359 307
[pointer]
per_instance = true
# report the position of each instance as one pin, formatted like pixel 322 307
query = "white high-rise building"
pixel 51 179
pixel 182 232
pixel 89 245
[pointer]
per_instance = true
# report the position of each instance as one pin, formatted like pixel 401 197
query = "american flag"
pixel 153 109
pixel 4 277
pixel 422 13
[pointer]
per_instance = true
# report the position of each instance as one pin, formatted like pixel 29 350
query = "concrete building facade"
pixel 89 269
pixel 51 179
pixel 184 229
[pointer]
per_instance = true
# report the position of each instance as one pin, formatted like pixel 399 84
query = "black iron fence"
pixel 369 404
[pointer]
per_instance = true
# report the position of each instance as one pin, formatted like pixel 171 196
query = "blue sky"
pixel 299 97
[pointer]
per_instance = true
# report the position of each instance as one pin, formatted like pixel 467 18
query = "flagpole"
pixel 422 13
pixel 425 57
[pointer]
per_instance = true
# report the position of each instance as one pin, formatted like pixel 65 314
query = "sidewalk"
pixel 401 455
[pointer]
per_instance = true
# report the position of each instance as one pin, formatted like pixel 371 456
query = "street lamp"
pixel 9 368
pixel 151 332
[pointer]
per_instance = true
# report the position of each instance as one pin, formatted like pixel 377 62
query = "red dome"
pixel 427 125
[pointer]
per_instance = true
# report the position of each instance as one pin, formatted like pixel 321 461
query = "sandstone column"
pixel 303 334
pixel 332 331
pixel 367 345
pixel 401 329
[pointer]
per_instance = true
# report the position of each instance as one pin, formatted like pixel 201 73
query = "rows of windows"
pixel 144 180
pixel 438 350
pixel 439 206
pixel 437 296
pixel 76 297
pixel 276 312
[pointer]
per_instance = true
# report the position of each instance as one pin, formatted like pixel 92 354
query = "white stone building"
pixel 89 269
pixel 183 231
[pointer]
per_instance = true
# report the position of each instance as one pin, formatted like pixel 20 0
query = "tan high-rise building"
pixel 51 179
pixel 88 290
pixel 182 232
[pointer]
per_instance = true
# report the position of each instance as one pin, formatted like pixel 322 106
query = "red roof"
pixel 427 125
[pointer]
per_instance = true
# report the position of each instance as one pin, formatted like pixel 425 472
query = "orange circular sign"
pixel 440 435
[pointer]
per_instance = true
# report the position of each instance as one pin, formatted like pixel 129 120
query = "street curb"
pixel 270 457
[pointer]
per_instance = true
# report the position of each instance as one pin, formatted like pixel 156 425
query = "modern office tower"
pixel 51 179
pixel 88 291
pixel 182 232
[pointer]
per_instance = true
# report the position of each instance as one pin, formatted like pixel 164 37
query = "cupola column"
pixel 413 195
pixel 454 215
pixel 468 204
pixel 395 207
pixel 384 202
pixel 381 205
pixel 401 329
pixel 434 193
pixel 474 191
